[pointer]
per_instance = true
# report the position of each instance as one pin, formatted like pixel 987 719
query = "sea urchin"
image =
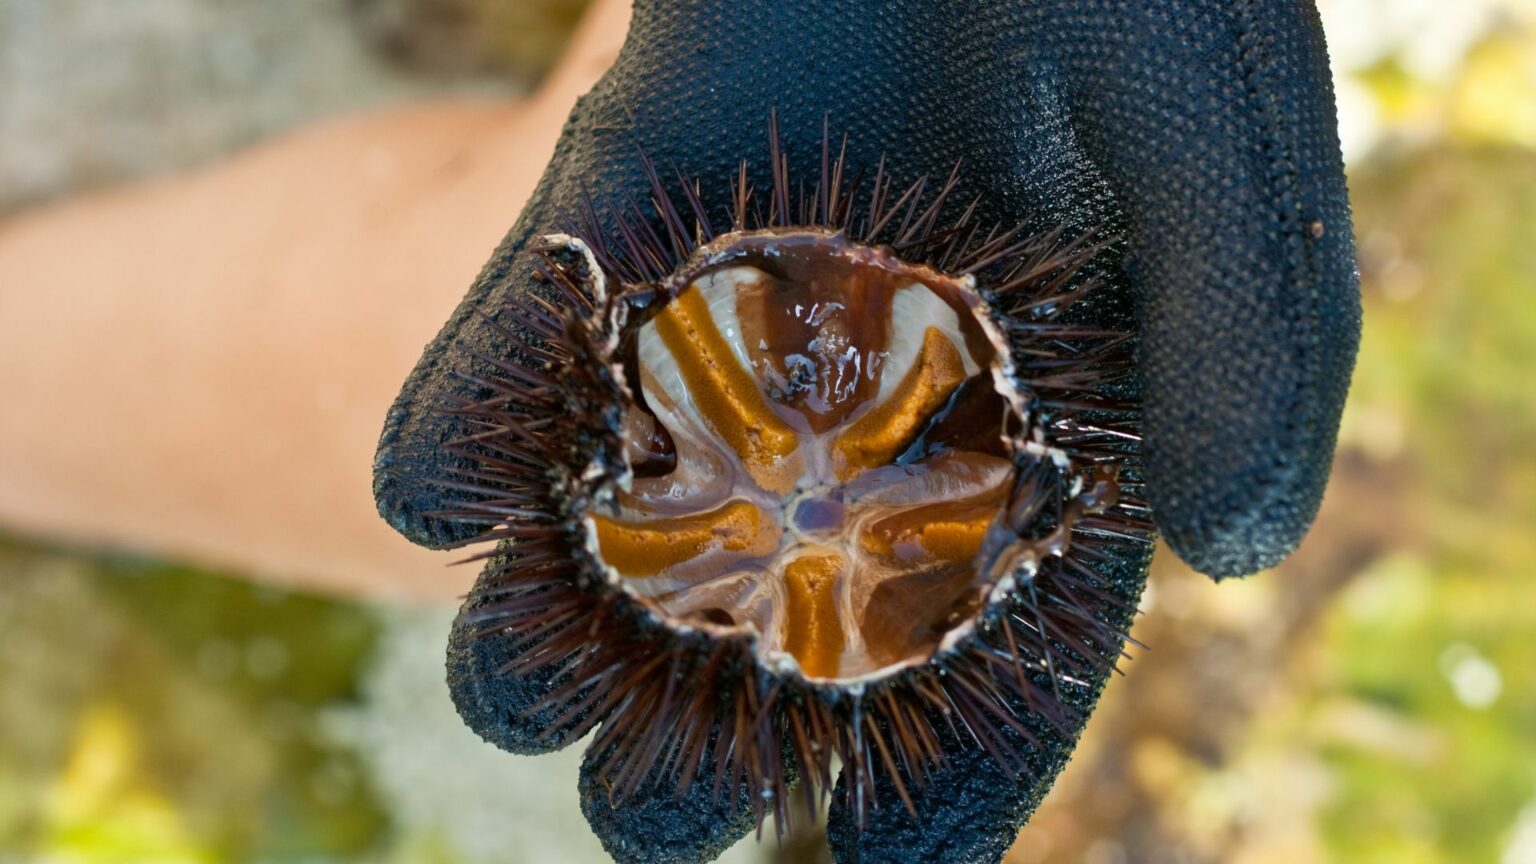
pixel 831 485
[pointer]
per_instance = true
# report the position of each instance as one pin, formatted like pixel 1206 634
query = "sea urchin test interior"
pixel 817 435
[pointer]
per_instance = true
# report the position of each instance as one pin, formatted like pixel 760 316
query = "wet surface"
pixel 833 455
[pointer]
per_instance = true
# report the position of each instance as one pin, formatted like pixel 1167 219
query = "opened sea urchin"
pixel 814 476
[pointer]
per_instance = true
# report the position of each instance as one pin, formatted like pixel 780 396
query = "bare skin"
pixel 197 367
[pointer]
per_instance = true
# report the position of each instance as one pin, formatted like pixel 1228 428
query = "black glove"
pixel 1203 133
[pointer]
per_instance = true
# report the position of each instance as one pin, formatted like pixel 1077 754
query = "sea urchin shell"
pixel 833 484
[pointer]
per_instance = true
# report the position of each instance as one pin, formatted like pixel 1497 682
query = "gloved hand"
pixel 1202 132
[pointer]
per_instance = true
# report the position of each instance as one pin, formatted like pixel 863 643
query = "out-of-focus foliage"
pixel 1433 652
pixel 1493 99
pixel 151 713
pixel 154 713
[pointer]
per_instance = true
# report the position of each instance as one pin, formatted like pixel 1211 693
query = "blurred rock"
pixel 439 780
pixel 518 39
pixel 101 91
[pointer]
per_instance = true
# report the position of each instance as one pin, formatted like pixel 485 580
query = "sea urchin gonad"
pixel 828 473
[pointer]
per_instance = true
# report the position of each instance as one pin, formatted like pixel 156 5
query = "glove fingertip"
pixel 969 812
pixel 656 825
pixel 1252 535
pixel 520 712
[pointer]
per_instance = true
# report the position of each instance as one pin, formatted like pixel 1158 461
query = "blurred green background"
pixel 1371 700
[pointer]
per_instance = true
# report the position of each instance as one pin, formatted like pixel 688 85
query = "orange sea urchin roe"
pixel 836 459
